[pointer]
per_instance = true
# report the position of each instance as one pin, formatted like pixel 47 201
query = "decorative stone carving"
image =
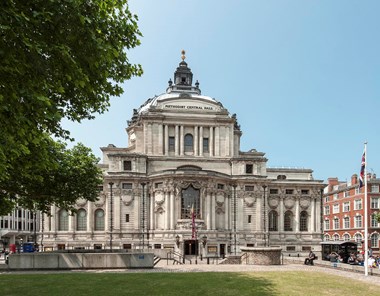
pixel 186 224
pixel 289 202
pixel 81 202
pixel 304 202
pixel 158 209
pixel 249 201
pixel 273 201
pixel 159 198
pixel 100 201
pixel 127 199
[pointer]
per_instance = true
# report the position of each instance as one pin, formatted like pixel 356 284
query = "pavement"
pixel 165 266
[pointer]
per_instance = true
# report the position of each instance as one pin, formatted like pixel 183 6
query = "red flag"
pixel 362 169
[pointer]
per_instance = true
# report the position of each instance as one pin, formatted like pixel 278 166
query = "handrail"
pixel 182 259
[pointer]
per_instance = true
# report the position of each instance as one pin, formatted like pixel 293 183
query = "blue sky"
pixel 302 76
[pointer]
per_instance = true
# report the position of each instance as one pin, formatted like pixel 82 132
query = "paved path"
pixel 163 267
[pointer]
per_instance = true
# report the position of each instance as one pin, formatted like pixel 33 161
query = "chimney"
pixel 354 179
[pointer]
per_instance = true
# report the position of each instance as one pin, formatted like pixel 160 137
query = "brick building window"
pixel 336 237
pixel 327 210
pixel 358 222
pixel 346 237
pixel 335 208
pixel 346 222
pixel 358 204
pixel 374 222
pixel 375 240
pixel 374 202
pixel 375 188
pixel 336 223
pixel 327 224
pixel 346 207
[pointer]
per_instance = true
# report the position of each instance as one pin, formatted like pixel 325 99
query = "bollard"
pixel 208 260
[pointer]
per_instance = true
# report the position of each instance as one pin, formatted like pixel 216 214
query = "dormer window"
pixel 249 168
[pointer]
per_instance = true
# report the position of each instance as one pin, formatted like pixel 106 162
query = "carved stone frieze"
pixel 289 202
pixel 273 201
pixel 100 201
pixel 127 199
pixel 81 202
pixel 159 198
pixel 186 224
pixel 249 201
pixel 158 209
pixel 305 202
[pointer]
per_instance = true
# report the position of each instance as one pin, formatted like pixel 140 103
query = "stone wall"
pixel 261 256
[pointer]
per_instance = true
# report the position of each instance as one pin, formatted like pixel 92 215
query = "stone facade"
pixel 183 185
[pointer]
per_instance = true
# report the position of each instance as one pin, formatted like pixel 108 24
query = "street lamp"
pixel 265 217
pixel 234 186
pixel 111 215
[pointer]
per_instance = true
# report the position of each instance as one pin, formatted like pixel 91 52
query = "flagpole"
pixel 365 213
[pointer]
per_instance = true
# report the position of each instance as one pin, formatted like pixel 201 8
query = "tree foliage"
pixel 58 59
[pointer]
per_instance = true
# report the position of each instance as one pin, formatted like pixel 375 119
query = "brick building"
pixel 343 211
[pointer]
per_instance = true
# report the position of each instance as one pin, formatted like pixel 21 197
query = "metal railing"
pixel 177 258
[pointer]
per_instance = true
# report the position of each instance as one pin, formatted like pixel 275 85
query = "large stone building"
pixel 183 184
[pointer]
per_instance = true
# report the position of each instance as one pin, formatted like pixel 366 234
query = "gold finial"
pixel 183 54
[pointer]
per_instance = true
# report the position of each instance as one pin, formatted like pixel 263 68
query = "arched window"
pixel 303 221
pixel 273 221
pixel 190 200
pixel 63 220
pixel 336 237
pixel 189 143
pixel 99 220
pixel 326 238
pixel 346 237
pixel 358 238
pixel 288 221
pixel 81 220
pixel 374 240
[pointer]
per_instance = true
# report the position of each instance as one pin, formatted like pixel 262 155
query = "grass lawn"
pixel 210 283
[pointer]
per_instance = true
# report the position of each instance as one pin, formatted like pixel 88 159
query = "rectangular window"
pixel 327 198
pixel 346 207
pixel 126 185
pixel 289 191
pixel 100 188
pixel 249 219
pixel 127 218
pixel 171 144
pixel 327 225
pixel 290 248
pixel 97 246
pixel 357 190
pixel 358 221
pixel 220 186
pixel 205 145
pixel 249 168
pixel 127 246
pixel 157 246
pixel 375 188
pixel 249 187
pixel 347 193
pixel 358 204
pixel 273 191
pixel 374 202
pixel 127 165
pixel 374 222
pixel 336 223
pixel 305 191
pixel 327 210
pixel 347 222
pixel 335 196
pixel 335 208
pixel 158 185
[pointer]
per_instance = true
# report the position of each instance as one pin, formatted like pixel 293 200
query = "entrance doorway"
pixel 222 250
pixel 191 247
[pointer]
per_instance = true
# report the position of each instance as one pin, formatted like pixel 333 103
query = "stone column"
pixel 167 211
pixel 90 217
pixel 54 221
pixel 213 213
pixel 181 143
pixel 232 140
pixel 149 140
pixel 259 212
pixel 227 213
pixel 196 141
pixel 116 209
pixel 297 215
pixel 72 223
pixel 152 220
pixel 160 147
pixel 217 141
pixel 227 142
pixel 172 210
pixel 211 141
pixel 176 142
pixel 208 213
pixel 201 141
pixel 316 213
pixel 166 136
pixel 281 216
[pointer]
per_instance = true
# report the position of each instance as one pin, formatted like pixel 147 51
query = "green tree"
pixel 58 59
